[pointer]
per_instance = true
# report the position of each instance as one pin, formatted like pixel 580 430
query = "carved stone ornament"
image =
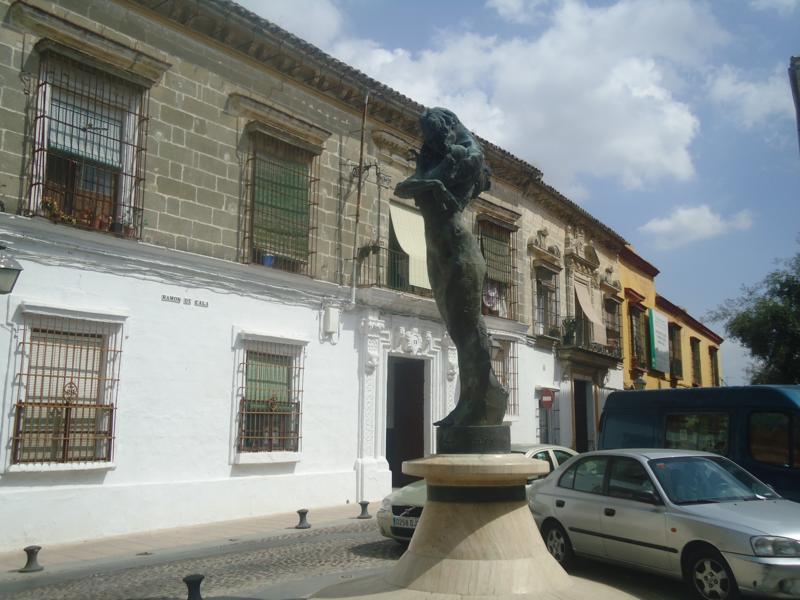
pixel 371 363
pixel 544 254
pixel 452 368
pixel 411 341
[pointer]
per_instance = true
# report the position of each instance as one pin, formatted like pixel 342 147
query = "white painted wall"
pixel 536 369
pixel 176 405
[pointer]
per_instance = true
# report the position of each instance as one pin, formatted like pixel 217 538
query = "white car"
pixel 681 513
pixel 400 511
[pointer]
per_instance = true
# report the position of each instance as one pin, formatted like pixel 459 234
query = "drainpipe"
pixel 353 281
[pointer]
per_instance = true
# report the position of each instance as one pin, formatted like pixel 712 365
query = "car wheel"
pixel 710 577
pixel 558 545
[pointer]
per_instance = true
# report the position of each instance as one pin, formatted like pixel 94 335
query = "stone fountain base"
pixel 476 539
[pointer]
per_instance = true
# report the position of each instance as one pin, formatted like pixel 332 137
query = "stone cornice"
pixel 278 123
pixel 488 210
pixel 74 33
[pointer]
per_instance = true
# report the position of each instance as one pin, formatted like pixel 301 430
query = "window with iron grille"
pixel 639 330
pixel 88 148
pixel 675 358
pixel 504 365
pixel 283 183
pixel 714 357
pixel 611 316
pixel 68 376
pixel 697 376
pixel 270 397
pixel 499 288
pixel 547 309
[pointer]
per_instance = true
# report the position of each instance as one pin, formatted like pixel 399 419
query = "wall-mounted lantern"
pixel 9 271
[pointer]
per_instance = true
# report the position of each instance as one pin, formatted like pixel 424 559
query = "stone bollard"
pixel 193 585
pixel 32 565
pixel 364 514
pixel 303 524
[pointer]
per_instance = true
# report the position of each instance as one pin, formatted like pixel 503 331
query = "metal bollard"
pixel 303 524
pixel 32 565
pixel 364 514
pixel 193 584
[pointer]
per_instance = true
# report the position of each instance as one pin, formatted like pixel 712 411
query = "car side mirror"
pixel 649 497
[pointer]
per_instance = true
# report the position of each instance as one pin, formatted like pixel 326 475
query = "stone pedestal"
pixel 476 540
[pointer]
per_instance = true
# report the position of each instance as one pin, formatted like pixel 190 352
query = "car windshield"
pixel 707 479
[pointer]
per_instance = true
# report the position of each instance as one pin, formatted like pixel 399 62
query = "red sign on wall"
pixel 547 399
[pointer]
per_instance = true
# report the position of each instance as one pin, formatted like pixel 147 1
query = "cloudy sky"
pixel 671 121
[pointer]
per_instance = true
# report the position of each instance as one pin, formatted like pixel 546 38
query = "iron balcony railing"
pixel 386 268
pixel 577 333
pixel 268 426
pixel 65 431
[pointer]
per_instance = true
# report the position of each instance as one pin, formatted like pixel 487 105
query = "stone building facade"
pixel 224 311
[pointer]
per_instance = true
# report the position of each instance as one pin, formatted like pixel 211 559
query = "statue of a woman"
pixel 451 171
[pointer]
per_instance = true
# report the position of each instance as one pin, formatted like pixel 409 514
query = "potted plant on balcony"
pixel 568 326
pixel 50 208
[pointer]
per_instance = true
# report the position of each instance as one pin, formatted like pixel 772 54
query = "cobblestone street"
pixel 278 567
pixel 230 571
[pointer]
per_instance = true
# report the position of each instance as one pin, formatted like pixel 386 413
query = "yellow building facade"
pixel 663 345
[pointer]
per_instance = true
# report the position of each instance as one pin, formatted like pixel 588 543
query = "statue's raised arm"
pixel 451 171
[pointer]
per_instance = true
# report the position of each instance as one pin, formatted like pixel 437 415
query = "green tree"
pixel 766 321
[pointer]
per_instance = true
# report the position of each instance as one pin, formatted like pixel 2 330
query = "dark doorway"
pixel 405 415
pixel 581 397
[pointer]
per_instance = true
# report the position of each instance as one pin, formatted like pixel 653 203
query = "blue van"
pixel 756 426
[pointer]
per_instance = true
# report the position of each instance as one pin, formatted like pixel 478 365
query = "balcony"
pixel 578 346
pixel 391 269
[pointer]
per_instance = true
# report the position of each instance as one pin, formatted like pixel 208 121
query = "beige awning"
pixel 585 301
pixel 410 231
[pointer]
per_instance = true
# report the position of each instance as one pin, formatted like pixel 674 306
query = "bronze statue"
pixel 451 171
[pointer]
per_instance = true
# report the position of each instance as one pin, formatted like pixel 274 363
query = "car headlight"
pixel 386 504
pixel 770 545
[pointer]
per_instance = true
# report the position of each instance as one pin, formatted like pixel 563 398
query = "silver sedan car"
pixel 691 515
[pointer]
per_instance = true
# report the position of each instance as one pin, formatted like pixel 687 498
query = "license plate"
pixel 405 522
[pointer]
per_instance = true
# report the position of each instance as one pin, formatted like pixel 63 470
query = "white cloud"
pixel 518 11
pixel 591 95
pixel 784 7
pixel 736 363
pixel 752 103
pixel 689 224
pixel 315 21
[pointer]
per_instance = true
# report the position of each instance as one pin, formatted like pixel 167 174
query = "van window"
pixel 623 429
pixel 701 431
pixel 769 438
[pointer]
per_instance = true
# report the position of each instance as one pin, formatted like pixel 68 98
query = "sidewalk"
pixel 176 541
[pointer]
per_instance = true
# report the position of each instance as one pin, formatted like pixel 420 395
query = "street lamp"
pixel 639 383
pixel 9 271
